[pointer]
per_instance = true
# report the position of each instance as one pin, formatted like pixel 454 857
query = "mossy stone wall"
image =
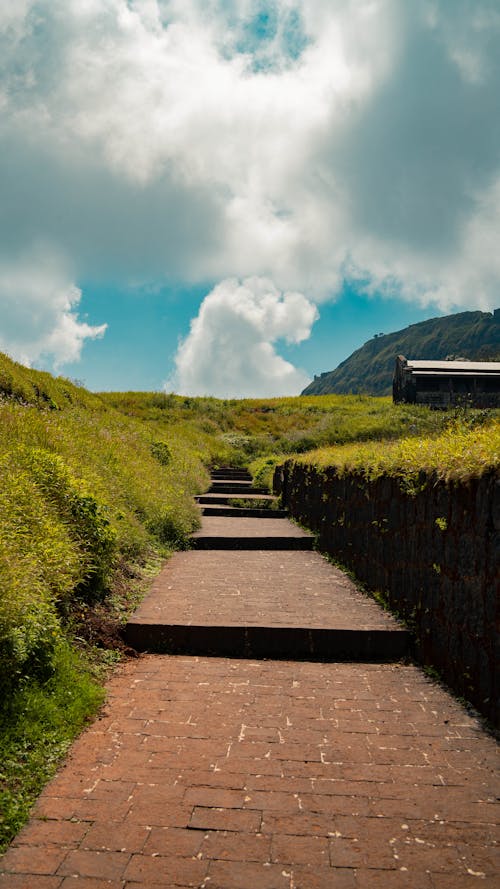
pixel 433 550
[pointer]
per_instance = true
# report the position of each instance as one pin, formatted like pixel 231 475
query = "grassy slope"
pixel 256 428
pixel 88 498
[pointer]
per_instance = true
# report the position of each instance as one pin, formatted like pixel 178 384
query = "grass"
pixel 456 455
pixel 239 432
pixel 39 722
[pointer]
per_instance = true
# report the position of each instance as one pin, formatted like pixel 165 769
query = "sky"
pixel 225 197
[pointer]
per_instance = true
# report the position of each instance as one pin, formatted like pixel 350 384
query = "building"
pixel 445 383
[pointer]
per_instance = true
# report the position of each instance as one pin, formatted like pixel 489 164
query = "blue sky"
pixel 227 196
pixel 143 334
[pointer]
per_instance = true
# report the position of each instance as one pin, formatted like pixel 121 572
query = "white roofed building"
pixel 445 383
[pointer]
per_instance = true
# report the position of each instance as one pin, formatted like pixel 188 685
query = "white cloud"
pixel 38 317
pixel 299 140
pixel 230 348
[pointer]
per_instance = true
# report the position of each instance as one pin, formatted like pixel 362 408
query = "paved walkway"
pixel 231 527
pixel 272 588
pixel 233 773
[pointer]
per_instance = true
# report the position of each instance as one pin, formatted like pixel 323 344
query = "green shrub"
pixel 81 513
pixel 161 451
pixel 29 625
pixel 39 568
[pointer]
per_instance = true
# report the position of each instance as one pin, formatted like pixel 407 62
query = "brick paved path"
pixel 286 588
pixel 254 774
pixel 220 526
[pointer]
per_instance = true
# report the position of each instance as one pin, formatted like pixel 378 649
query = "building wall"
pixel 445 388
pixel 433 552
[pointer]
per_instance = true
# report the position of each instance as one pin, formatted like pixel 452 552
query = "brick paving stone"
pixel 248 875
pixel 149 870
pixel 57 833
pixel 369 878
pixel 90 883
pixel 193 777
pixel 356 853
pixel 215 797
pixel 28 859
pixel 125 837
pixel 230 588
pixel 28 881
pixel 90 863
pixel 467 881
pixel 174 841
pixel 204 818
pixel 161 814
pixel 231 846
pixel 307 877
pixel 265 808
pixel 300 850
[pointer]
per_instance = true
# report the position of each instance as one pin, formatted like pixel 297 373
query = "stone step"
pixel 244 511
pixel 231 474
pixel 254 543
pixel 235 488
pixel 292 605
pixel 227 498
pixel 225 532
pixel 279 643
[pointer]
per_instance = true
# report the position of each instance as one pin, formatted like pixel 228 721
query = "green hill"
pixel 470 335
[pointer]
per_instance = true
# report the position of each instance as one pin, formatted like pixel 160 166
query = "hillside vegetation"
pixel 461 452
pixel 469 335
pixel 89 499
pixel 96 491
pixel 247 429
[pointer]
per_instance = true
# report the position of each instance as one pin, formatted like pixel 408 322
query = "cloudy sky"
pixel 227 196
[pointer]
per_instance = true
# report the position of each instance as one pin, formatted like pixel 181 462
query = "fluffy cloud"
pixel 39 318
pixel 307 141
pixel 230 348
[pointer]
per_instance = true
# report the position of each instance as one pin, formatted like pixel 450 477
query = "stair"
pixel 252 587
pixel 236 488
pixel 245 511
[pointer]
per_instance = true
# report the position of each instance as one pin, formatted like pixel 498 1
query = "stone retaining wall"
pixel 433 552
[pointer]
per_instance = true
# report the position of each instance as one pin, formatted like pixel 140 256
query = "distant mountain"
pixel 470 335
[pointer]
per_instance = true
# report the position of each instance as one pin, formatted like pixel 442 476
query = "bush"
pixel 81 513
pixel 29 625
pixel 161 451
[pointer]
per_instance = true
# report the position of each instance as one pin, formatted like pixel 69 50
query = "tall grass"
pixel 240 431
pixel 459 453
pixel 87 497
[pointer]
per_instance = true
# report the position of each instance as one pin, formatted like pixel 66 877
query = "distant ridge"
pixel 369 370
